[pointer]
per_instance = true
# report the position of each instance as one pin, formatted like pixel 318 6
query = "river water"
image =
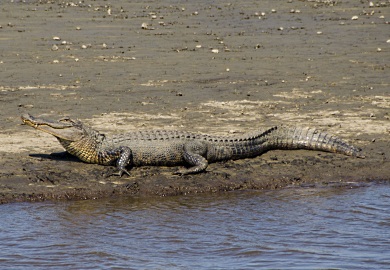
pixel 300 228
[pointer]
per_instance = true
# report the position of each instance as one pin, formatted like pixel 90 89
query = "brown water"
pixel 306 228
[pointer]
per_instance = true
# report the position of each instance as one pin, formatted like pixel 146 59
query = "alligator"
pixel 173 147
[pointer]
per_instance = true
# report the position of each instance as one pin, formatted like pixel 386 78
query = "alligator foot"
pixel 119 173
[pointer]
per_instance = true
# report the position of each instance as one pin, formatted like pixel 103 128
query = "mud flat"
pixel 211 67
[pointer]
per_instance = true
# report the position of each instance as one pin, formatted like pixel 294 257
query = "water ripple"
pixel 304 228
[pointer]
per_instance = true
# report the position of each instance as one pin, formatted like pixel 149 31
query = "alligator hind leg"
pixel 193 155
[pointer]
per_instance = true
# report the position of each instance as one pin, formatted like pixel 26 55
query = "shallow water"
pixel 306 228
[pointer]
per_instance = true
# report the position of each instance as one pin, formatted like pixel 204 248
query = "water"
pixel 307 228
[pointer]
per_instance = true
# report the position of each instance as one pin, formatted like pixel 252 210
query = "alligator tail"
pixel 311 139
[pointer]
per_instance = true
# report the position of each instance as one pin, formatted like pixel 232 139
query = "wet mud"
pixel 208 67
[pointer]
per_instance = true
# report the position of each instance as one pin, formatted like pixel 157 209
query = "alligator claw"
pixel 118 173
pixel 178 173
pixel 121 171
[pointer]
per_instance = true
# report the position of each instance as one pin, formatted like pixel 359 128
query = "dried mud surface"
pixel 209 66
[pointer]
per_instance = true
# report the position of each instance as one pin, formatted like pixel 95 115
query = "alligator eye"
pixel 66 120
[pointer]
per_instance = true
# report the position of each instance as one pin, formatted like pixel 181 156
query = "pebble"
pixel 55 61
pixel 54 48
pixel 29 106
pixel 86 46
pixel 355 18
pixel 56 38
pixel 215 51
pixel 379 50
pixel 146 26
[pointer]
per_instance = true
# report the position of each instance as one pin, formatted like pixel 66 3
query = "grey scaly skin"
pixel 169 148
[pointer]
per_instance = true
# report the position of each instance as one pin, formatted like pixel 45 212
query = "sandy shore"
pixel 211 68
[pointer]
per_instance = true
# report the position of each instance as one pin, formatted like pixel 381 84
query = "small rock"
pixel 56 38
pixel 28 106
pixel 355 18
pixel 215 51
pixel 54 48
pixel 146 26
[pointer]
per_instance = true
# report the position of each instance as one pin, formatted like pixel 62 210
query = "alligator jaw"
pixel 66 128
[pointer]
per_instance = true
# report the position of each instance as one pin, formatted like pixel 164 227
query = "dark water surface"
pixel 306 228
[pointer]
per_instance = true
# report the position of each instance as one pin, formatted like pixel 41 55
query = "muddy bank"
pixel 212 68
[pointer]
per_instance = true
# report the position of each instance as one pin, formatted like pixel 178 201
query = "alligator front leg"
pixel 193 154
pixel 123 156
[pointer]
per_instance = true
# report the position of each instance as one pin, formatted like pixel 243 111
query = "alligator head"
pixel 64 129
